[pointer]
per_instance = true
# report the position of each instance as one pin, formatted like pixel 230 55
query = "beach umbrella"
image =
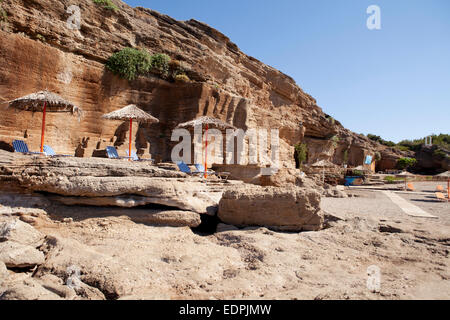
pixel 131 113
pixel 323 164
pixel 207 122
pixel 405 174
pixel 446 174
pixel 44 101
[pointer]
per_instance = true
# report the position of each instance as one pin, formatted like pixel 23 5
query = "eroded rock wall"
pixel 38 51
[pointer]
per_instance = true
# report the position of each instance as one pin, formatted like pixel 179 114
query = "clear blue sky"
pixel 393 82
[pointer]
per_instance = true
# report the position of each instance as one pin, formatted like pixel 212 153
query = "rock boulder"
pixel 292 209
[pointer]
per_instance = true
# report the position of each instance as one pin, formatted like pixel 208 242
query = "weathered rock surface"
pixel 16 255
pixel 3 272
pixel 17 231
pixel 288 209
pixel 102 182
pixel 227 83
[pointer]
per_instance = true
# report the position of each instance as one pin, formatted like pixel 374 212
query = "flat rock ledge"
pixel 291 209
pixel 97 183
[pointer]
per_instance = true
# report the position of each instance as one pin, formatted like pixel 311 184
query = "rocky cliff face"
pixel 38 51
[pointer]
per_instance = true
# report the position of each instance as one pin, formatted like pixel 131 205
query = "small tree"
pixel 405 163
pixel 301 151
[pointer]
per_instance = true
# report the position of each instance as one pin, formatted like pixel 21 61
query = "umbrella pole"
pixel 448 189
pixel 43 126
pixel 206 153
pixel 131 131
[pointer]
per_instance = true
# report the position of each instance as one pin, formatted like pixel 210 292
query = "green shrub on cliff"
pixel 301 151
pixel 405 163
pixel 107 4
pixel 181 78
pixel 130 63
pixel 160 64
pixel 3 14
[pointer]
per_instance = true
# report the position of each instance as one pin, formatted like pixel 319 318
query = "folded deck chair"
pixel 113 154
pixel 441 197
pixel 135 157
pixel 185 168
pixel 22 147
pixel 51 153
pixel 221 175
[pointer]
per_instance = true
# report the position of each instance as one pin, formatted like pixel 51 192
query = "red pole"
pixel 131 131
pixel 43 126
pixel 206 153
pixel 448 189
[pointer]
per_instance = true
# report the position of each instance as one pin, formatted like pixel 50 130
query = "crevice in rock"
pixel 208 226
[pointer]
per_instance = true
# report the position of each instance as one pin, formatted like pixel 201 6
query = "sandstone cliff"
pixel 39 51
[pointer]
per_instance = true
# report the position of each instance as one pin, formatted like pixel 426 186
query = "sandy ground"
pixel 135 261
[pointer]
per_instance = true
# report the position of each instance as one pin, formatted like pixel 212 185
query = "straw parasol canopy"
pixel 35 103
pixel 131 113
pixel 44 101
pixel 206 120
pixel 405 174
pixel 323 164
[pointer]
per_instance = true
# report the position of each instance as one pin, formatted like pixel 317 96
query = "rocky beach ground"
pixel 88 257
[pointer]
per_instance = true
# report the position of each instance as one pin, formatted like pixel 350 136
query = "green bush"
pixel 438 153
pixel 334 141
pixel 405 163
pixel 389 179
pixel 346 156
pixel 377 156
pixel 357 173
pixel 301 150
pixel 107 4
pixel 40 37
pixel 160 64
pixel 3 15
pixel 130 63
pixel 182 78
pixel 380 140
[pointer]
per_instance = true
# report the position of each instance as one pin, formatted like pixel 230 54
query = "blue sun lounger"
pixel 51 153
pixel 135 157
pixel 113 154
pixel 22 147
pixel 222 175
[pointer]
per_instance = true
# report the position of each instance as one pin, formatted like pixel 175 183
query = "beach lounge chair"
pixel 222 175
pixel 22 147
pixel 441 197
pixel 51 153
pixel 410 187
pixel 440 189
pixel 135 157
pixel 113 154
pixel 183 167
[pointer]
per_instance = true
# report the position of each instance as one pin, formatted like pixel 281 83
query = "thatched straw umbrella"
pixel 405 174
pixel 207 121
pixel 447 174
pixel 131 113
pixel 323 164
pixel 44 101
